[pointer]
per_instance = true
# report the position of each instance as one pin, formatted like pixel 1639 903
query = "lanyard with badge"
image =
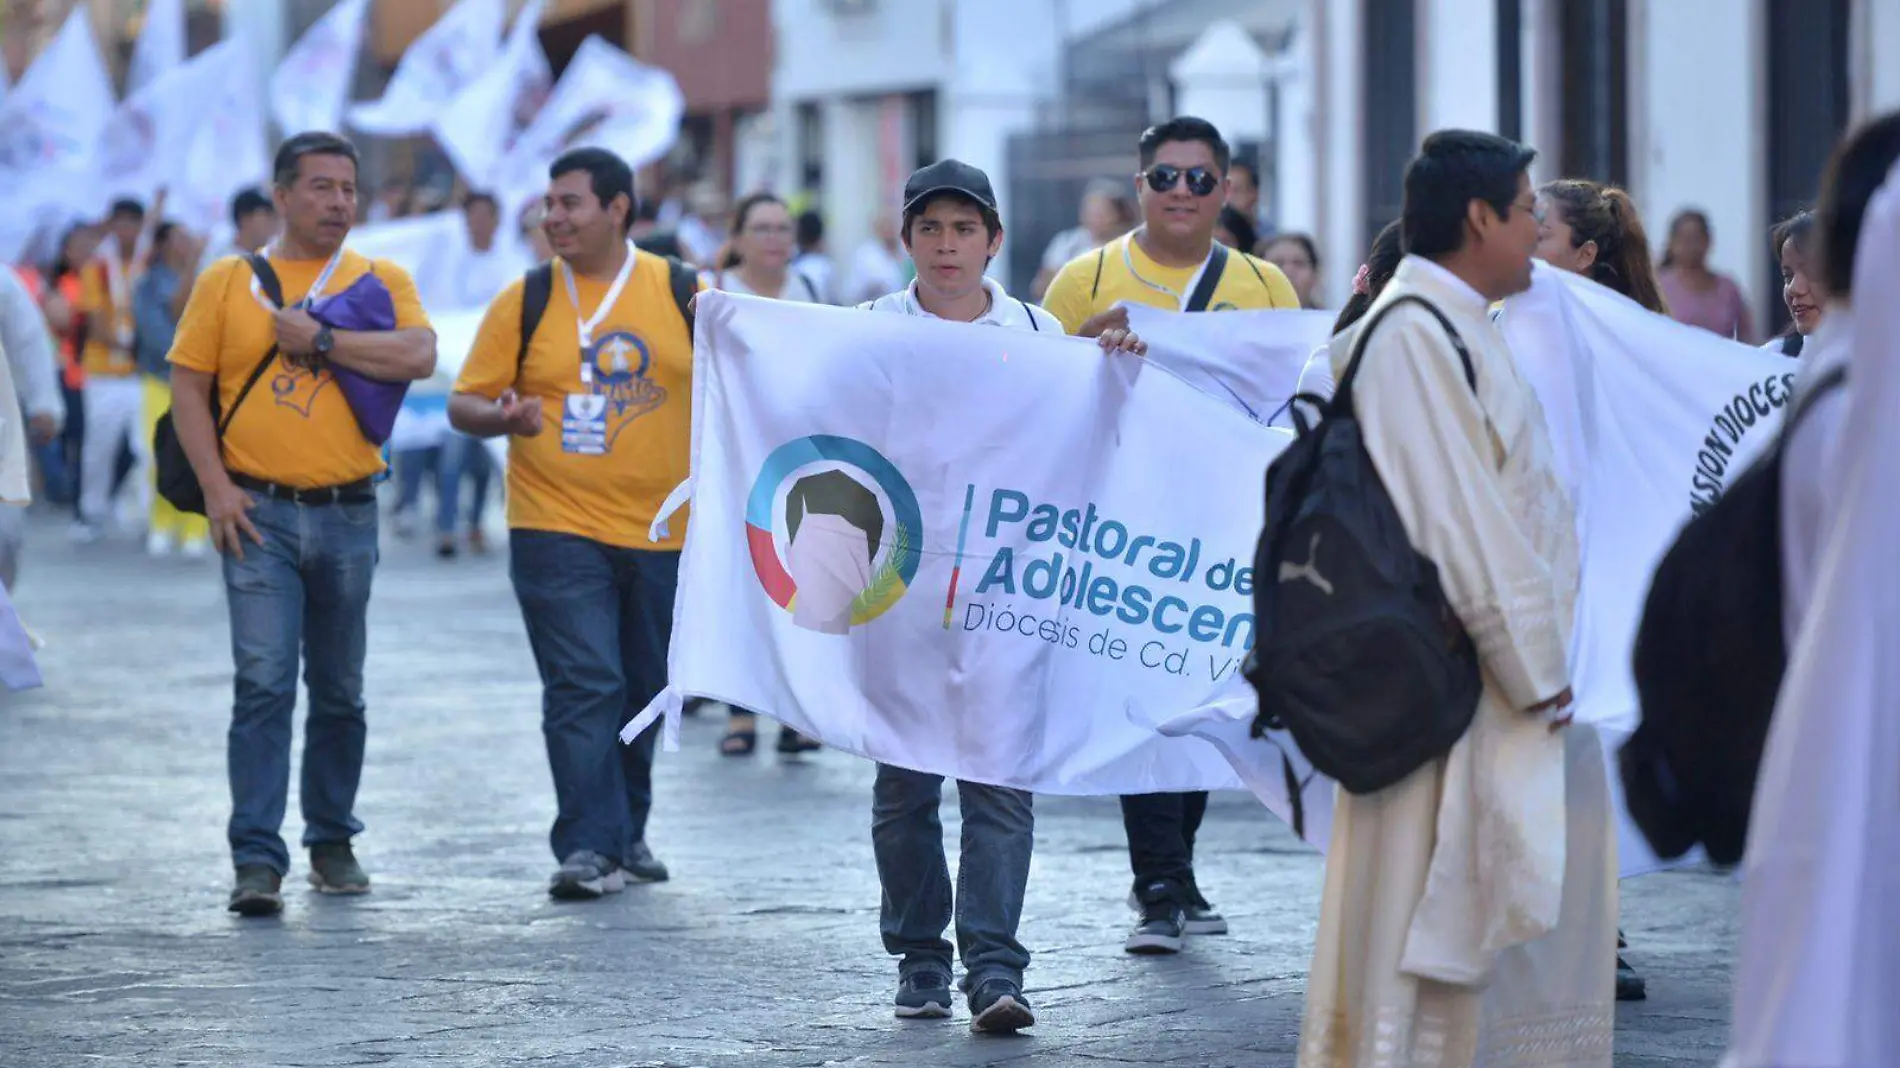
pixel 118 291
pixel 1186 294
pixel 316 288
pixel 584 414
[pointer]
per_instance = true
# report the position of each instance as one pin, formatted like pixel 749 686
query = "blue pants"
pixel 303 595
pixel 461 456
pixel 999 829
pixel 599 620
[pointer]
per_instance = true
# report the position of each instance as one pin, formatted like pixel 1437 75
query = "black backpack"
pixel 1709 658
pixel 1359 656
pixel 177 482
pixel 538 286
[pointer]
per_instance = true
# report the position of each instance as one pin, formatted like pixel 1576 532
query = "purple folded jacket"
pixel 364 304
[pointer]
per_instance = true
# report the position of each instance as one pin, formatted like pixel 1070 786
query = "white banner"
pixel 604 98
pixel 161 45
pixel 439 64
pixel 230 149
pixel 310 88
pixel 479 128
pixel 149 140
pixel 1250 359
pixel 988 554
pixel 49 135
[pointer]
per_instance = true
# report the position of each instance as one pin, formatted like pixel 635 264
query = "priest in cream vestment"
pixel 1469 915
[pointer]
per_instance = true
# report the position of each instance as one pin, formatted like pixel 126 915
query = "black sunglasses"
pixel 1163 177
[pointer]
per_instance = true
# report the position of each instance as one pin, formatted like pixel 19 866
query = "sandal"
pixel 790 741
pixel 742 737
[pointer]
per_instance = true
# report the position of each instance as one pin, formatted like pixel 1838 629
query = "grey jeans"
pixel 992 874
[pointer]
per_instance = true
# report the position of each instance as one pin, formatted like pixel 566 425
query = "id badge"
pixel 584 424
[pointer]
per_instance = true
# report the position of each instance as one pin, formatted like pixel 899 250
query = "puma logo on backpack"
pixel 1309 571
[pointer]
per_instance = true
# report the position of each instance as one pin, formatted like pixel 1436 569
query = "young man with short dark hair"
pixel 289 489
pixel 1171 261
pixel 1470 908
pixel 608 358
pixel 254 218
pixel 952 231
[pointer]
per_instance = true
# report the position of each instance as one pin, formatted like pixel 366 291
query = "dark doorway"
pixel 1390 107
pixel 1594 72
pixel 1808 110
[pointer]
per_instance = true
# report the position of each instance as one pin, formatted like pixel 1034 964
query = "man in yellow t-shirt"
pixel 113 396
pixel 288 488
pixel 1181 188
pixel 1173 262
pixel 597 408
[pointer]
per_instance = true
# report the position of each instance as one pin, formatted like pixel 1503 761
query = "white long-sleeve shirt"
pixel 29 345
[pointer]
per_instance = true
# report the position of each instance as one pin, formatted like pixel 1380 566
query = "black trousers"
pixel 1161 830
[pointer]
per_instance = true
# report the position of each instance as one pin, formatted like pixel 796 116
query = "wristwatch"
pixel 324 343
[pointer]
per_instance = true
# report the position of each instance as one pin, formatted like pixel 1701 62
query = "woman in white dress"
pixel 757 257
pixel 1793 242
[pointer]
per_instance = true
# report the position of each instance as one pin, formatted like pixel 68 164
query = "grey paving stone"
pixel 762 951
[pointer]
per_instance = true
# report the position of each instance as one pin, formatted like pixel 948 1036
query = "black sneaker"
pixel 923 995
pixel 641 864
pixel 1161 929
pixel 997 1007
pixel 257 892
pixel 334 870
pixel 1629 985
pixel 585 876
pixel 1203 920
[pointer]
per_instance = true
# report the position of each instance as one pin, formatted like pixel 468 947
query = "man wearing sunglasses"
pixel 1172 261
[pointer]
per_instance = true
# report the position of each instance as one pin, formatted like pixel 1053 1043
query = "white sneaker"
pixel 196 548
pixel 159 543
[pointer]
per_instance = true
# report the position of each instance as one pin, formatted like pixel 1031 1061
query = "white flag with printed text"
pixel 310 88
pixel 439 64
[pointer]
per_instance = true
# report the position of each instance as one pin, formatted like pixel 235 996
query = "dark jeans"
pixel 461 456
pixel 599 619
pixel 999 833
pixel 302 595
pixel 1161 830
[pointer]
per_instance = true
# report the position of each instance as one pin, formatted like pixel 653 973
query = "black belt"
pixel 363 489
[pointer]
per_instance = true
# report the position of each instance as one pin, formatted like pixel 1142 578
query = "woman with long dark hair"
pixel 1793 242
pixel 1697 294
pixel 756 259
pixel 1594 230
pixel 1297 256
pixel 1382 261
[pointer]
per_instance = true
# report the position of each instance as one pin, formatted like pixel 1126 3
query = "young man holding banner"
pixel 952 231
pixel 1172 261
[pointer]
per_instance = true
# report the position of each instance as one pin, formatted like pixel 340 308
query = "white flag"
pixel 441 63
pixel 1251 359
pixel 311 87
pixel 988 554
pixel 229 149
pixel 604 98
pixel 150 137
pixel 49 134
pixel 161 45
pixel 479 128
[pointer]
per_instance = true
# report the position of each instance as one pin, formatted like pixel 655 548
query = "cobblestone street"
pixel 763 950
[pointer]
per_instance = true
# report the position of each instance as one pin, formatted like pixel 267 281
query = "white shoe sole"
pixel 1005 1017
pixel 1151 945
pixel 587 889
pixel 1207 927
pixel 929 1010
pixel 321 887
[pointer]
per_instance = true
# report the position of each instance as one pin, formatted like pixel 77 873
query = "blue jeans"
pixel 999 834
pixel 461 455
pixel 599 619
pixel 412 467
pixel 302 595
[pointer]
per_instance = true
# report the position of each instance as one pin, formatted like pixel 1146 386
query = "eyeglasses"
pixel 769 230
pixel 1163 177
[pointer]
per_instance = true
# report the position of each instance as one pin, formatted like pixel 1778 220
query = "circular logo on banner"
pixel 834 531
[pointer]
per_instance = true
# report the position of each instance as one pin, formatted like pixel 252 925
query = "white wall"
pixel 1458 65
pixel 1700 139
pixel 1876 47
pixel 897 45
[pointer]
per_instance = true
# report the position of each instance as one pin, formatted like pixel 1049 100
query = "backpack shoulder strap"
pixel 1033 325
pixel 1101 257
pixel 1254 265
pixel 1342 393
pixel 536 287
pixel 685 284
pixel 1210 279
pixel 266 277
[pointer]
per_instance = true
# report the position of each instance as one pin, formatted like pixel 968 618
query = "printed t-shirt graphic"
pixel 1128 274
pixel 295 428
pixel 616 418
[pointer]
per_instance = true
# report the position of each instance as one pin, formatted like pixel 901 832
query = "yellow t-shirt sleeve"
pixel 198 341
pixel 491 364
pixel 1067 297
pixel 1279 291
pixel 402 292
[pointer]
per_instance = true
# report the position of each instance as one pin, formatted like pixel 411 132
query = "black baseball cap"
pixel 949 176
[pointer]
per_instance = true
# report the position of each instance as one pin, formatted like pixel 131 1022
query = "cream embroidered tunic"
pixel 1469 914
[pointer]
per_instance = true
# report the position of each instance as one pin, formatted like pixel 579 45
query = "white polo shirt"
pixel 1004 310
